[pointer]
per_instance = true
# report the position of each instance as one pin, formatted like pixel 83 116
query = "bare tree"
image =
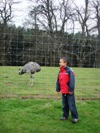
pixel 53 18
pixel 82 16
pixel 66 13
pixel 6 15
pixel 6 10
pixel 44 14
pixel 96 8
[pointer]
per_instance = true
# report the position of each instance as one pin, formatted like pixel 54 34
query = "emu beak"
pixel 19 71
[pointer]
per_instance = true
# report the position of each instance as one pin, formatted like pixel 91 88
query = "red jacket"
pixel 65 81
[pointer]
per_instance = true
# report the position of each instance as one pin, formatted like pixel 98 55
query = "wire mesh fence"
pixel 19 46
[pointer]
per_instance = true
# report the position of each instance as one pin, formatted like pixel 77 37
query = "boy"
pixel 65 85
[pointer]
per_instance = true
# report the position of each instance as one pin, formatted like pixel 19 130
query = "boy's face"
pixel 62 63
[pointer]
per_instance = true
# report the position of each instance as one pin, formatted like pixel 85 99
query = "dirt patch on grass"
pixel 41 96
pixel 87 98
pixel 7 96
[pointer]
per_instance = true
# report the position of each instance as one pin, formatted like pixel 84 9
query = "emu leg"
pixel 31 80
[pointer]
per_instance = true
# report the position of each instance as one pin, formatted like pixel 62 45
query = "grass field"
pixel 37 109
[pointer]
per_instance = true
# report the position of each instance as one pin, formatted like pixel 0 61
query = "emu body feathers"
pixel 31 68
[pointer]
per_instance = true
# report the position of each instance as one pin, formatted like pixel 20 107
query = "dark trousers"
pixel 68 103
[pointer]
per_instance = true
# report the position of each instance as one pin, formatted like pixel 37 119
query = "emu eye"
pixel 22 72
pixel 32 72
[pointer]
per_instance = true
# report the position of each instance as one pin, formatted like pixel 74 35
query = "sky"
pixel 21 12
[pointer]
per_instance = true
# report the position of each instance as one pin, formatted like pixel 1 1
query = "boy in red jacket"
pixel 65 85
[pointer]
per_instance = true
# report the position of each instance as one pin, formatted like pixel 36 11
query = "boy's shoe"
pixel 63 118
pixel 75 120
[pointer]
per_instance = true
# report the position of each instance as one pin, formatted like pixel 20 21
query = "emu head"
pixel 39 69
pixel 21 71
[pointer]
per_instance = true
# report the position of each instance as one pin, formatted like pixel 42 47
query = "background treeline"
pixel 53 33
pixel 21 45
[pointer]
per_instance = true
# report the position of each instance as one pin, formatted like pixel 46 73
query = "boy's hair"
pixel 65 60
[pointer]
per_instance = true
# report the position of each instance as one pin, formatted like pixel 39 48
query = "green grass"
pixel 42 116
pixel 11 83
pixel 37 109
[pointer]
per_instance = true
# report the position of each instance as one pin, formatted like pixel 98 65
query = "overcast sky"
pixel 21 12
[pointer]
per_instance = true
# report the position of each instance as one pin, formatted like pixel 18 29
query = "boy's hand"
pixel 70 93
pixel 59 93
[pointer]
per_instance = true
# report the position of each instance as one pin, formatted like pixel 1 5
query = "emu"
pixel 31 68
